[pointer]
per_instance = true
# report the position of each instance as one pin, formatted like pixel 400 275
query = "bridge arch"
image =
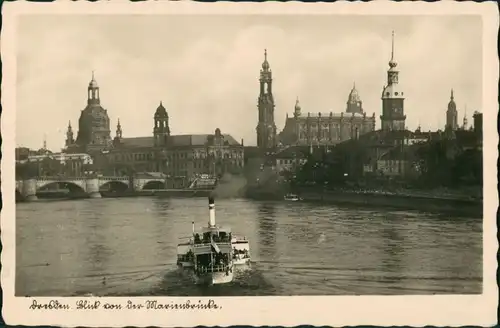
pixel 72 187
pixel 114 185
pixel 154 185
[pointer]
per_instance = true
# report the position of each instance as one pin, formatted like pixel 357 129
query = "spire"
pixel 118 130
pixel 297 109
pixel 93 82
pixel 44 142
pixel 452 97
pixel 392 62
pixel 392 52
pixel 69 125
pixel 265 64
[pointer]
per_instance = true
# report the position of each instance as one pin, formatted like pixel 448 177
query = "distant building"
pixel 73 164
pixel 290 159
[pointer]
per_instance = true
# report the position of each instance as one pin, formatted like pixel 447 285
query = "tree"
pixel 26 170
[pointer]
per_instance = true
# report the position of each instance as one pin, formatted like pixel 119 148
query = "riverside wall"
pixel 423 201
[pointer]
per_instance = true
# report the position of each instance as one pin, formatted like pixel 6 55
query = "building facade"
pixel 266 128
pixel 327 128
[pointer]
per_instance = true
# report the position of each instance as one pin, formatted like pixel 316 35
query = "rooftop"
pixel 176 141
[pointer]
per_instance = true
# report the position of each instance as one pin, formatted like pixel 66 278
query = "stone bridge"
pixel 89 185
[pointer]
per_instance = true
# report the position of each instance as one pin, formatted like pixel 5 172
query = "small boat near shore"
pixel 292 198
pixel 212 254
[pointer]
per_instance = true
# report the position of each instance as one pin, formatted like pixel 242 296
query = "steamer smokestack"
pixel 211 212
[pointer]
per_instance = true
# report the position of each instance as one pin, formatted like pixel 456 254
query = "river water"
pixel 127 247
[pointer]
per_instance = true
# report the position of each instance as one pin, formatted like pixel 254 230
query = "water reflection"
pixel 95 230
pixel 267 230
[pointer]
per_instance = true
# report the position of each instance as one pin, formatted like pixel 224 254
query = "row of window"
pixel 334 127
pixel 290 161
pixel 176 156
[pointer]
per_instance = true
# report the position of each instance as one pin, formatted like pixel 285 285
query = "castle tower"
pixel 297 109
pixel 266 128
pixel 69 135
pixel 452 114
pixel 161 130
pixel 354 103
pixel 393 117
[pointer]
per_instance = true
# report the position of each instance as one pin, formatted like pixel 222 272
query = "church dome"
pixel 161 111
pixel 354 95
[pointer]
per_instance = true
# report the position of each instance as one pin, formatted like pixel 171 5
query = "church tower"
pixel 465 124
pixel 93 92
pixel 393 117
pixel 266 128
pixel 69 135
pixel 93 125
pixel 354 103
pixel 119 131
pixel 297 109
pixel 161 130
pixel 452 114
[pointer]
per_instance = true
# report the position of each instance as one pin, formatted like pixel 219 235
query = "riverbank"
pixel 163 193
pixel 411 200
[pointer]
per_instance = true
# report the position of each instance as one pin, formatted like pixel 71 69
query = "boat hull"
pixel 239 262
pixel 214 278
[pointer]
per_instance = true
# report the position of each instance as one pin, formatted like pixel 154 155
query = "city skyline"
pixel 222 64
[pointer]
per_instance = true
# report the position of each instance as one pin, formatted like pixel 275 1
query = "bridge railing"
pixel 63 178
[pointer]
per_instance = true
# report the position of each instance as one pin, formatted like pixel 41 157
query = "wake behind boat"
pixel 211 254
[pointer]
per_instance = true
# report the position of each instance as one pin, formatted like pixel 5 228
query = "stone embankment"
pixel 431 201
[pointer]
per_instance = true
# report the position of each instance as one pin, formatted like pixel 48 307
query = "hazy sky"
pixel 205 69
